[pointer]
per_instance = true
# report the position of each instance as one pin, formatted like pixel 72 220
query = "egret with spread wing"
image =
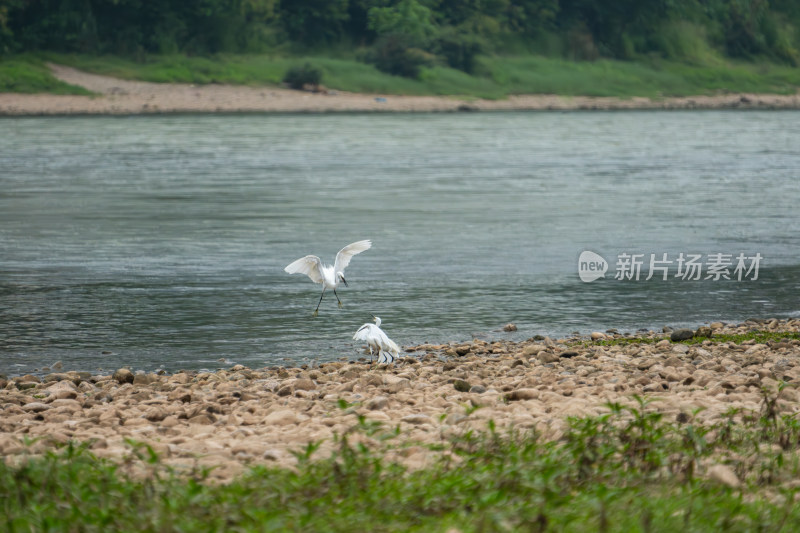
pixel 376 339
pixel 328 275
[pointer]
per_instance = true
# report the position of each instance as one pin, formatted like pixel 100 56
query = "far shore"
pixel 121 97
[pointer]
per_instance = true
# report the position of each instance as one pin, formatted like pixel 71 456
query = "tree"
pixel 404 31
pixel 408 18
pixel 314 21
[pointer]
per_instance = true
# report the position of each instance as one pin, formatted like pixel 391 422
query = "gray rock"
pixel 682 334
pixel 645 364
pixel 28 378
pixel 378 402
pixel 35 407
pixel 203 419
pixel 417 419
pixel 522 394
pixel 56 377
pixel 123 375
pixel 304 384
pixel 477 389
pixel 547 357
pixel 143 379
pixel 510 327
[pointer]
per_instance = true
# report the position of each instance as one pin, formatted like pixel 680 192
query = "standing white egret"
pixel 328 275
pixel 376 339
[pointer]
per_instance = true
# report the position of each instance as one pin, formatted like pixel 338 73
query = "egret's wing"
pixel 386 343
pixel 347 253
pixel 363 333
pixel 393 347
pixel 385 358
pixel 309 265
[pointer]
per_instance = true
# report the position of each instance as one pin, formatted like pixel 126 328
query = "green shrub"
pixel 299 76
pixel 685 41
pixel 394 55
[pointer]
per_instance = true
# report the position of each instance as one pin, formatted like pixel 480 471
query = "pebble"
pixel 547 357
pixel 35 407
pixel 417 419
pixel 378 402
pixel 123 375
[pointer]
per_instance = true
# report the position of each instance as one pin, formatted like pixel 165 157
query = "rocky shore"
pixel 121 97
pixel 240 417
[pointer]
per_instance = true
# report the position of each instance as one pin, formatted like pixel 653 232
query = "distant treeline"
pixel 401 35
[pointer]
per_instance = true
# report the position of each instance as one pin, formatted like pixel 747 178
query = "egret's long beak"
pixel 345 282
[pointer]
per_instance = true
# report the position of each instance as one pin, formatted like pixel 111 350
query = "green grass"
pixel 759 337
pixel 496 77
pixel 627 470
pixel 25 74
pixel 532 74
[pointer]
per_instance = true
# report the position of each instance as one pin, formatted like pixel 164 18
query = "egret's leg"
pixel 337 298
pixel 316 311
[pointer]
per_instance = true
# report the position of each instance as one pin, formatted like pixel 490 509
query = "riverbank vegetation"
pixel 487 49
pixel 501 76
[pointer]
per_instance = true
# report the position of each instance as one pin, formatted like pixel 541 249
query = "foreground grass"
pixel 628 470
pixel 496 77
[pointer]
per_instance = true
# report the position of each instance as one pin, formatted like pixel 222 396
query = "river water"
pixel 159 241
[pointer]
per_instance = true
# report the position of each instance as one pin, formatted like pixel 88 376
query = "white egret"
pixel 376 339
pixel 328 275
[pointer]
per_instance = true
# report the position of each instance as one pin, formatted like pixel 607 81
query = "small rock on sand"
pixel 682 334
pixel 123 375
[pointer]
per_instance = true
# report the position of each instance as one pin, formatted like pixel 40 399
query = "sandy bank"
pixel 127 97
pixel 241 417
